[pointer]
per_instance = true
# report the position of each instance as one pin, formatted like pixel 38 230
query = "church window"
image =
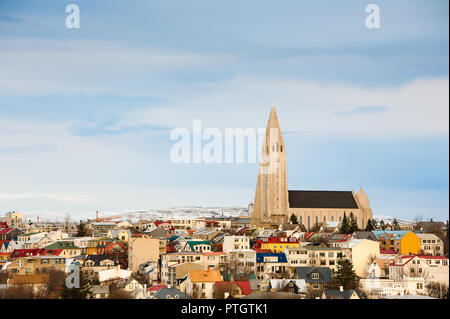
pixel 332 218
pixel 317 219
pixel 301 219
pixel 309 222
pixel 324 218
pixel 281 148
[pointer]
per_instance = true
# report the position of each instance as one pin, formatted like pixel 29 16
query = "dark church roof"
pixel 322 199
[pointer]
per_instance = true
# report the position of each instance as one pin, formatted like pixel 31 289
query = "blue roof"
pixel 397 234
pixel 281 257
pixel 173 237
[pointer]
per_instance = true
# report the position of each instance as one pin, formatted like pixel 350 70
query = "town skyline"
pixel 86 114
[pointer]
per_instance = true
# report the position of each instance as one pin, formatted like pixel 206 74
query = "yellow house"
pixel 405 242
pixel 120 234
pixel 279 244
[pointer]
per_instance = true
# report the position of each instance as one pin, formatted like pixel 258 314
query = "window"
pixel 315 275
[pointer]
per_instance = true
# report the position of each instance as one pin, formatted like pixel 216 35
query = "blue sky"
pixel 86 114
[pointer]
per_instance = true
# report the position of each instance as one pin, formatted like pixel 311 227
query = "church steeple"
pixel 271 196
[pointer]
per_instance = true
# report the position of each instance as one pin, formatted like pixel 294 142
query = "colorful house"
pixel 405 242
pixel 279 244
pixel 120 234
pixel 69 250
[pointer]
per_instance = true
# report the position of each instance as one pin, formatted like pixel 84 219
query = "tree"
pixel 437 290
pixel 83 292
pixel 345 275
pixel 316 227
pixel 353 224
pixel 374 224
pixel 16 293
pixel 82 230
pixel 369 226
pixel 395 225
pixel 345 227
pixel 115 292
pixel 294 219
pixel 382 225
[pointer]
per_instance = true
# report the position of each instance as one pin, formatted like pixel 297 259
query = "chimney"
pixel 37 220
pixel 341 288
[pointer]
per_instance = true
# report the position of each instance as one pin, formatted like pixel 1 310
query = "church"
pixel 274 203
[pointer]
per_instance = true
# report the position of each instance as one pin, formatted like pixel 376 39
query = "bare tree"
pixel 437 290
pixel 16 293
pixel 115 292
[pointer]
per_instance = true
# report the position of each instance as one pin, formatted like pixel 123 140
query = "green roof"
pixel 193 243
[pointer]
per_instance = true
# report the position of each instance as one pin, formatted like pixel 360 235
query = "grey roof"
pixel 365 235
pixel 337 294
pixel 100 289
pixel 170 293
pixel 157 232
pixel 254 283
pixel 272 295
pixel 99 258
pixel 282 283
pixel 322 199
pixel 306 273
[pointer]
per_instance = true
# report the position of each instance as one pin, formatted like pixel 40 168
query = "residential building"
pixel 402 241
pixel 430 244
pixel 200 283
pixel 141 250
pixel 235 243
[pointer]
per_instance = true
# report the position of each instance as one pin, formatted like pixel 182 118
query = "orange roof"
pixel 212 253
pixel 205 275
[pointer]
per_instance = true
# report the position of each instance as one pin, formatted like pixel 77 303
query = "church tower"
pixel 271 196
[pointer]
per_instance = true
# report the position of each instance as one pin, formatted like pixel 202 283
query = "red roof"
pixel 418 256
pixel 307 235
pixel 245 287
pixel 3 225
pixel 425 257
pixel 279 240
pixel 156 287
pixel 227 285
pixel 388 251
pixel 5 230
pixel 51 252
pixel 3 241
pixel 25 252
pixel 170 249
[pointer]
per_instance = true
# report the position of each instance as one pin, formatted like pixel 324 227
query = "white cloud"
pixel 416 108
pixel 83 66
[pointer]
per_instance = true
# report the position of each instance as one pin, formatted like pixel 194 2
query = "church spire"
pixel 271 196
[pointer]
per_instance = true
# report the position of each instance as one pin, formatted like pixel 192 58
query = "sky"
pixel 86 114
